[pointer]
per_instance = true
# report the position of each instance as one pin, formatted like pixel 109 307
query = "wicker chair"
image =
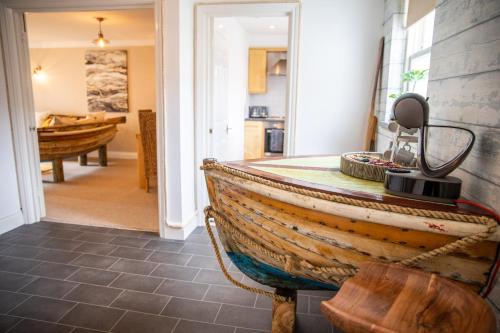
pixel 147 128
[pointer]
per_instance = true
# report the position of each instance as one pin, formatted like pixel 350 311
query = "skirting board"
pixel 10 222
pixel 124 155
pixel 180 233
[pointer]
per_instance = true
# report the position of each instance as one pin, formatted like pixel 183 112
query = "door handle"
pixel 32 128
pixel 228 128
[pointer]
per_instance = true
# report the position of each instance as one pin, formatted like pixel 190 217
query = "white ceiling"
pixel 261 25
pixel 78 29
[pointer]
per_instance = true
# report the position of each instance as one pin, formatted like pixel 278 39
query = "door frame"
pixel 205 13
pixel 20 95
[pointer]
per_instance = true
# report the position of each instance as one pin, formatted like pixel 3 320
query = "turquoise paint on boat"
pixel 274 277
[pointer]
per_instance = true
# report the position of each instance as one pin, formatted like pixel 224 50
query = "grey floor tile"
pixel 207 262
pixel 191 309
pixel 198 231
pixel 94 261
pixel 62 257
pixel 42 308
pixel 53 270
pixel 198 238
pixel 194 248
pixel 248 330
pixel 175 272
pixel 61 244
pixel 264 302
pixel 170 258
pixel 64 233
pixel 244 317
pixel 95 237
pixel 142 302
pixel 125 232
pixel 163 245
pixel 93 276
pixel 99 295
pixel 21 251
pixel 230 295
pixel 249 282
pixel 308 323
pixel 13 282
pixel 9 300
pixel 85 330
pixel 134 322
pixel 216 277
pixel 186 326
pixel 17 265
pixel 92 316
pixel 96 248
pixel 142 283
pixel 49 287
pixel 30 326
pixel 130 253
pixel 32 240
pixel 4 246
pixel 133 266
pixel 6 322
pixel 129 241
pixel 314 304
pixel 183 289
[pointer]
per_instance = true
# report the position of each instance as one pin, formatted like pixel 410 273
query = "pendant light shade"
pixel 100 40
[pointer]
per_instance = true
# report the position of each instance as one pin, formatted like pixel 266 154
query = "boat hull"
pixel 64 144
pixel 314 234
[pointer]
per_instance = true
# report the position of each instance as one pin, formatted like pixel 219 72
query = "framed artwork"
pixel 107 80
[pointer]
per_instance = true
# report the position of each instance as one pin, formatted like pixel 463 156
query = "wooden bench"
pixel 383 298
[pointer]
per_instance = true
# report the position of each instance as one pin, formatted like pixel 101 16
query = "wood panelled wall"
pixel 464 88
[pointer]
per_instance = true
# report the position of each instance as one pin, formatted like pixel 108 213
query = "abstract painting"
pixel 107 80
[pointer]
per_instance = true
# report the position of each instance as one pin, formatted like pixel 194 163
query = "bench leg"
pixel 57 170
pixel 83 159
pixel 103 156
pixel 284 312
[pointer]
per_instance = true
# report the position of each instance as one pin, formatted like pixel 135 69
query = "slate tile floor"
pixel 68 278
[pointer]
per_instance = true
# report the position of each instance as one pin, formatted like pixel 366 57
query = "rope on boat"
pixel 213 165
pixel 329 272
pixel 279 298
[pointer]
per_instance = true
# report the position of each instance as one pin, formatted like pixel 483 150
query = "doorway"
pixel 19 78
pixel 88 88
pixel 224 91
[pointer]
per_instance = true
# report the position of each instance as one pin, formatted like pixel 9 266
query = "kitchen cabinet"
pixel 257 68
pixel 257 71
pixel 254 139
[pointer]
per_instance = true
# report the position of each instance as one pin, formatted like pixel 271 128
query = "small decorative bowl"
pixel 367 165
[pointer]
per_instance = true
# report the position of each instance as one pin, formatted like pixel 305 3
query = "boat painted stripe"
pixel 275 277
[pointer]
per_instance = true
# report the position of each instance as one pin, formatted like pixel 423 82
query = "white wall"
pixel 338 51
pixel 10 207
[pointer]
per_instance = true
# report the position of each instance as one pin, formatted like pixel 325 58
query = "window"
pixel 418 53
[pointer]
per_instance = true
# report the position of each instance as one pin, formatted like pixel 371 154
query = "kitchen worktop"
pixel 269 119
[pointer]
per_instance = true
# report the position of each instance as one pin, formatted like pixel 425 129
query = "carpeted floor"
pixel 101 196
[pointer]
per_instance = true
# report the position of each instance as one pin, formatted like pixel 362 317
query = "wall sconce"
pixel 38 74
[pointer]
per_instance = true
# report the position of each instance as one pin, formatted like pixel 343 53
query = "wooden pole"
pixel 284 312
pixel 83 159
pixel 57 170
pixel 372 119
pixel 103 156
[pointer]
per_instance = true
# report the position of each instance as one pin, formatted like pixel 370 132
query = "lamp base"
pixel 414 185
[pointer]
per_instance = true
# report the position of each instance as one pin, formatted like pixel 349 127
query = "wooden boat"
pixel 299 223
pixel 59 142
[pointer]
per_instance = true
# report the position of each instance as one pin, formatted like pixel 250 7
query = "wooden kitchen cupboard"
pixel 254 139
pixel 257 71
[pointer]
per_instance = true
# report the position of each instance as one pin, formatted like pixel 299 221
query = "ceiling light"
pixel 100 40
pixel 221 26
pixel 272 27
